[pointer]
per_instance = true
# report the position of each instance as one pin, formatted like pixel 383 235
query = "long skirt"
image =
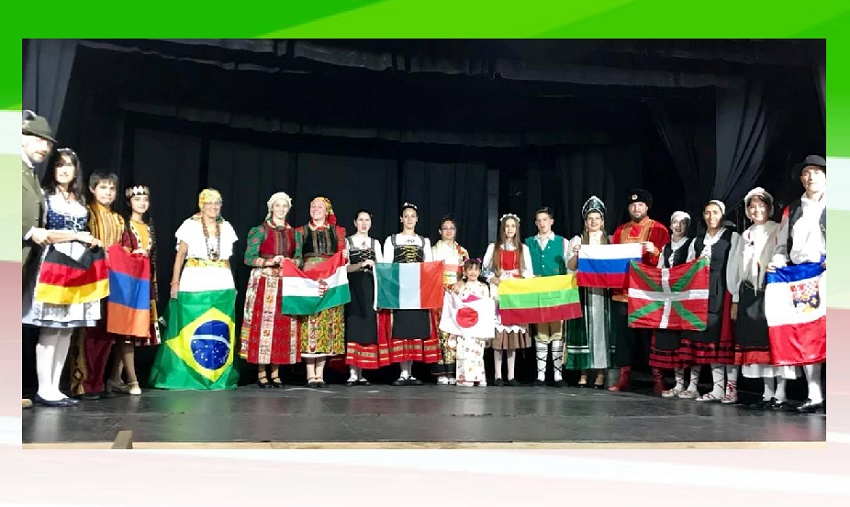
pixel 590 339
pixel 414 337
pixel 448 350
pixel 323 333
pixel 714 345
pixel 752 340
pixel 268 336
pixel 366 331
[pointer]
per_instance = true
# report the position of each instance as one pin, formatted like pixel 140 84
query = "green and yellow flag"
pixel 197 352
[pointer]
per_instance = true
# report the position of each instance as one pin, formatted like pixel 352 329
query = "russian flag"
pixel 796 314
pixel 128 309
pixel 607 266
pixel 409 286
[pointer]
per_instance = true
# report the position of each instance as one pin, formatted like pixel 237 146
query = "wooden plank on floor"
pixel 479 445
pixel 124 440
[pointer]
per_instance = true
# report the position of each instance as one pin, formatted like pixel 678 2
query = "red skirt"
pixel 720 348
pixel 425 350
pixel 267 336
pixel 372 356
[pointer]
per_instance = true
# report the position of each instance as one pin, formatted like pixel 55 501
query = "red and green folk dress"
pixel 323 333
pixel 268 336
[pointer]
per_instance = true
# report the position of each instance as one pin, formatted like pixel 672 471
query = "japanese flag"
pixel 474 317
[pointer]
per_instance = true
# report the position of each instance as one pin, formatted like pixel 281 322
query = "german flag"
pixel 128 309
pixel 72 273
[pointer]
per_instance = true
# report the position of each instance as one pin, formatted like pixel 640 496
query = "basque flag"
pixel 607 266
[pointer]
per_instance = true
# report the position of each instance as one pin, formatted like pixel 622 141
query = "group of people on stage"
pixel 736 337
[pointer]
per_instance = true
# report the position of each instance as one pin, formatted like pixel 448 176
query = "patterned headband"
pixel 208 195
pixel 409 205
pixel 137 190
pixel 509 215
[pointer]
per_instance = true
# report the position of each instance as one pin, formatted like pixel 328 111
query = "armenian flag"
pixel 128 308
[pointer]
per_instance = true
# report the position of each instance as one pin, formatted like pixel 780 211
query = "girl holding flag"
pixel 66 224
pixel 138 239
pixel 323 333
pixel 414 333
pixel 507 258
pixel 470 350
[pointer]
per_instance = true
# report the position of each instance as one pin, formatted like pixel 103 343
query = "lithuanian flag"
pixel 539 299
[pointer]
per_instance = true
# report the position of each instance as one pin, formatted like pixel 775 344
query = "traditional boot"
pixel 623 383
pixel 657 381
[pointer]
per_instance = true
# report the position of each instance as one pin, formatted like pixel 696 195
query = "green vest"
pixel 32 210
pixel 550 260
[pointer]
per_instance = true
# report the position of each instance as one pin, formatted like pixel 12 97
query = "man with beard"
pixel 36 143
pixel 632 345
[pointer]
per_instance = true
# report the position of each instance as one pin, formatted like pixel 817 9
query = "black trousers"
pixel 631 345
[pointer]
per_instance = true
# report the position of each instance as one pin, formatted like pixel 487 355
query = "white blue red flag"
pixel 796 314
pixel 607 266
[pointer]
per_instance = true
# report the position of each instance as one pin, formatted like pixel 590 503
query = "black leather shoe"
pixel 363 382
pixel 413 381
pixel 810 408
pixel 512 383
pixel 582 386
pixel 762 404
pixel 90 396
pixel 313 384
pixel 538 383
pixel 107 394
pixel 321 384
pixel 498 382
pixel 400 382
pixel 350 383
pixel 558 383
pixel 779 406
pixel 45 403
pixel 599 386
pixel 71 401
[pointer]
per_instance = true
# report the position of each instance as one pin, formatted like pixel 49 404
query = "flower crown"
pixel 137 190
pixel 509 215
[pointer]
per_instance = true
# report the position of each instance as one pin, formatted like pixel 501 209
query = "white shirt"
pixel 809 242
pixel 709 241
pixel 191 232
pixel 544 240
pixel 674 247
pixel 749 260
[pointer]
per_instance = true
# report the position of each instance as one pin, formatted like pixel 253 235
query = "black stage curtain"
pixel 690 142
pixel 47 71
pixel 746 127
pixel 819 70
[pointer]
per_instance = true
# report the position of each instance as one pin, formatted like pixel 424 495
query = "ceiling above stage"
pixel 507 92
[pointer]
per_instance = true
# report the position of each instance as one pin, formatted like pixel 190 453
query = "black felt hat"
pixel 816 160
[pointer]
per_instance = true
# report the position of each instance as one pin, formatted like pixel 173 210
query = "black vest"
pixel 408 253
pixel 795 212
pixel 717 269
pixel 321 242
pixel 679 257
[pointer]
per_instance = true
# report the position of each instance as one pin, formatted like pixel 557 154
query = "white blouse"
pixel 749 260
pixel 191 232
pixel 366 243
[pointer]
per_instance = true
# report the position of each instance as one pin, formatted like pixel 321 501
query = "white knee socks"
pixel 497 363
pixel 50 355
pixel 558 359
pixel 813 373
pixel 511 363
pixel 541 350
pixel 769 389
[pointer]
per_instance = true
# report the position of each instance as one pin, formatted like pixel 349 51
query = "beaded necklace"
pixel 139 239
pixel 212 252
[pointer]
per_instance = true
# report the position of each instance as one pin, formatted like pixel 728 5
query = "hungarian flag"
pixel 796 314
pixel 474 316
pixel 197 352
pixel 670 298
pixel 72 273
pixel 409 286
pixel 315 289
pixel 128 309
pixel 606 266
pixel 540 299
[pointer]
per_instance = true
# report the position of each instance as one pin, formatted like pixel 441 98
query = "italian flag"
pixel 318 288
pixel 409 286
pixel 540 299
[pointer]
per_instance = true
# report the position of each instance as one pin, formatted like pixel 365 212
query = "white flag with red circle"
pixel 474 316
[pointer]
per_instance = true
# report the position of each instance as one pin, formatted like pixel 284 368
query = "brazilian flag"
pixel 197 352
